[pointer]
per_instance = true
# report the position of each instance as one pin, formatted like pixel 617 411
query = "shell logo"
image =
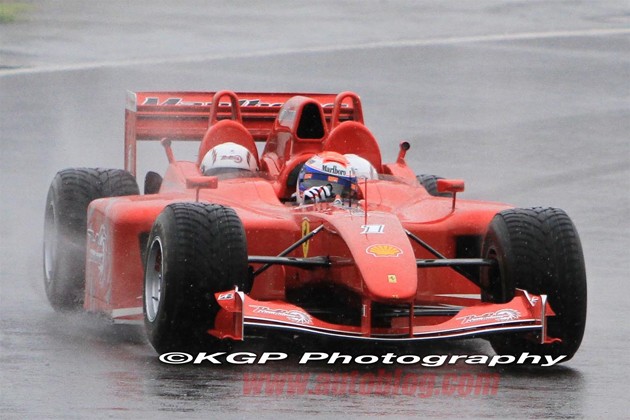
pixel 384 250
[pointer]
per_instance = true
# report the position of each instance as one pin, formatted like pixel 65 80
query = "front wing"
pixel 524 313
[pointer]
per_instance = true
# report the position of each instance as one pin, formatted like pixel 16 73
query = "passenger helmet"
pixel 228 157
pixel 362 167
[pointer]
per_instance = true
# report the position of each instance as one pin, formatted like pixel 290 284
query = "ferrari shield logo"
pixel 306 229
pixel 391 278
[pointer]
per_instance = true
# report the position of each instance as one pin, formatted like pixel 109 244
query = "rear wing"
pixel 153 116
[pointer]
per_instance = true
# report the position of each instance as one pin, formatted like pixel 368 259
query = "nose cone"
pixel 388 269
pixel 383 255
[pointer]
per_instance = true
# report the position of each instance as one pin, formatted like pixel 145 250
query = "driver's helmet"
pixel 361 167
pixel 228 158
pixel 329 171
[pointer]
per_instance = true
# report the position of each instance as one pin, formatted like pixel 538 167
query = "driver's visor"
pixel 340 186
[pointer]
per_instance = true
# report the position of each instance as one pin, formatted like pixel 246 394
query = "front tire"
pixel 194 251
pixel 70 194
pixel 537 250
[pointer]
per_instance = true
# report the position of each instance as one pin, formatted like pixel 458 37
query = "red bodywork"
pixel 373 269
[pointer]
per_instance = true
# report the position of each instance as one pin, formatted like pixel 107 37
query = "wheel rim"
pixel 153 280
pixel 50 244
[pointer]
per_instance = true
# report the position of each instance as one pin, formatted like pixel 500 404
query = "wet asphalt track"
pixel 527 101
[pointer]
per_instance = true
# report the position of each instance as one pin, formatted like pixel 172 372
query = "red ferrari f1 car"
pixel 294 236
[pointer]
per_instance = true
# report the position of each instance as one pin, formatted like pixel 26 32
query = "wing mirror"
pixel 450 186
pixel 199 182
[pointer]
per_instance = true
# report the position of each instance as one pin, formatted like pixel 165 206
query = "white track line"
pixel 321 49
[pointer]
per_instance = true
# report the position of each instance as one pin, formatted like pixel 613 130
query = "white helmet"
pixel 228 157
pixel 361 167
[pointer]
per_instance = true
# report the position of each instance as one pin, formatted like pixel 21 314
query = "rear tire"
pixel 537 250
pixel 194 251
pixel 429 182
pixel 69 195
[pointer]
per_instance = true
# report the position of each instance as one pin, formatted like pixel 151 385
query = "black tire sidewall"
pixel 156 330
pixel 498 282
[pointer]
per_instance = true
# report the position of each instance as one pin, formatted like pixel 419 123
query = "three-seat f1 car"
pixel 203 260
